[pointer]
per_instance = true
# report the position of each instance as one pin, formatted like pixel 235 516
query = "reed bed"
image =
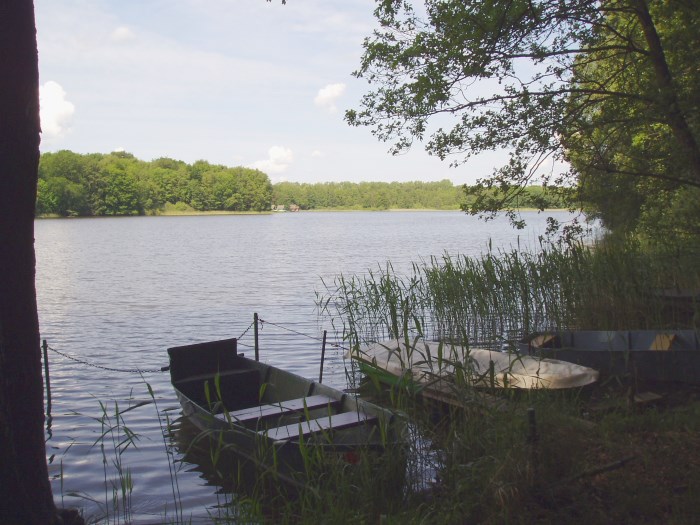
pixel 490 464
pixel 492 300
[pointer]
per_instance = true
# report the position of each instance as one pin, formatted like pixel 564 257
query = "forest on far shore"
pixel 117 183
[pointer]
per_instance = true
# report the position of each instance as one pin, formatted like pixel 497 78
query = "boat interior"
pixel 263 399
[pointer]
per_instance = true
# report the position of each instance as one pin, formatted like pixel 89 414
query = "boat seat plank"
pixel 327 423
pixel 210 376
pixel 278 409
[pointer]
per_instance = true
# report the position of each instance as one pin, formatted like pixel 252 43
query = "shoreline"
pixel 172 213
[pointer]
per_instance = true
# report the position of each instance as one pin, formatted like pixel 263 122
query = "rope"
pixel 165 368
pixel 125 370
pixel 319 339
pixel 246 330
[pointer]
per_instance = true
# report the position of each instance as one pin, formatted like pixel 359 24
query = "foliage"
pixel 610 86
pixel 71 184
pixel 442 195
pixel 120 184
pixel 369 195
pixel 632 165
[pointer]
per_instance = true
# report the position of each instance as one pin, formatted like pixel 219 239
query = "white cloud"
pixel 122 34
pixel 328 96
pixel 152 92
pixel 316 154
pixel 56 111
pixel 279 159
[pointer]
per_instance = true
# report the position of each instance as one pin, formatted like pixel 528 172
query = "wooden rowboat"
pixel 270 415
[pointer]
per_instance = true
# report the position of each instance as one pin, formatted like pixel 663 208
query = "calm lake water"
pixel 116 292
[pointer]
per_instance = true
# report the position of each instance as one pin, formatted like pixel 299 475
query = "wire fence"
pixel 261 323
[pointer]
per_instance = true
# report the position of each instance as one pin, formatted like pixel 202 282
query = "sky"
pixel 233 82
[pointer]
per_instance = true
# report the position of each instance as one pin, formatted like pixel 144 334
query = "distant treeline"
pixel 71 184
pixel 120 184
pixel 442 195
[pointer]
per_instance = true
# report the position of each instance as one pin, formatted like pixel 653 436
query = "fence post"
pixel 45 347
pixel 255 331
pixel 532 436
pixel 323 356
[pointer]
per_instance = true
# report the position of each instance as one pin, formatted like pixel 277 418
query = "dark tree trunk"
pixel 665 84
pixel 25 493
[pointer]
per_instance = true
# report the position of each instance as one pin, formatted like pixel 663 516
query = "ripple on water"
pixel 118 292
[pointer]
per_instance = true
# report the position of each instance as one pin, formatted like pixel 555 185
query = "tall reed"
pixel 489 467
pixel 495 298
pixel 114 440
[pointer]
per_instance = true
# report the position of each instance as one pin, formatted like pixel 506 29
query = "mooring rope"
pixel 246 330
pixel 166 368
pixel 319 339
pixel 110 369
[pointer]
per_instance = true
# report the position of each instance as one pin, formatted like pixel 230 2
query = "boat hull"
pixel 652 355
pixel 279 420
pixel 442 371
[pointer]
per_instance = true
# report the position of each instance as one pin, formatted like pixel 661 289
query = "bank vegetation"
pixel 92 185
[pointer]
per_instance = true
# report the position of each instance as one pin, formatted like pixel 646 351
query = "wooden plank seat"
pixel 311 426
pixel 256 413
pixel 210 376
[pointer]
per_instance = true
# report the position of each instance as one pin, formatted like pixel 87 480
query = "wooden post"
pixel 255 331
pixel 532 436
pixel 323 356
pixel 45 347
pixel 532 441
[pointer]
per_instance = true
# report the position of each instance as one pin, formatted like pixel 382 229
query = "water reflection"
pixel 233 477
pixel 118 292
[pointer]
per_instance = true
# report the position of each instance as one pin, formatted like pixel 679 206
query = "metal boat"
pixel 438 370
pixel 655 355
pixel 274 417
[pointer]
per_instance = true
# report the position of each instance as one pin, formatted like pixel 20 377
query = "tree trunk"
pixel 665 84
pixel 25 494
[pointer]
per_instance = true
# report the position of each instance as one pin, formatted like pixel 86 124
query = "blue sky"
pixel 234 82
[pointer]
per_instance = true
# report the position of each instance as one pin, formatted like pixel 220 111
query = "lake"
pixel 115 293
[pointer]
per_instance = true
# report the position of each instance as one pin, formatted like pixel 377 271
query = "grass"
pixel 585 466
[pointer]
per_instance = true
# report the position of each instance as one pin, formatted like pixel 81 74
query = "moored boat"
pixel 435 369
pixel 272 416
pixel 654 355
